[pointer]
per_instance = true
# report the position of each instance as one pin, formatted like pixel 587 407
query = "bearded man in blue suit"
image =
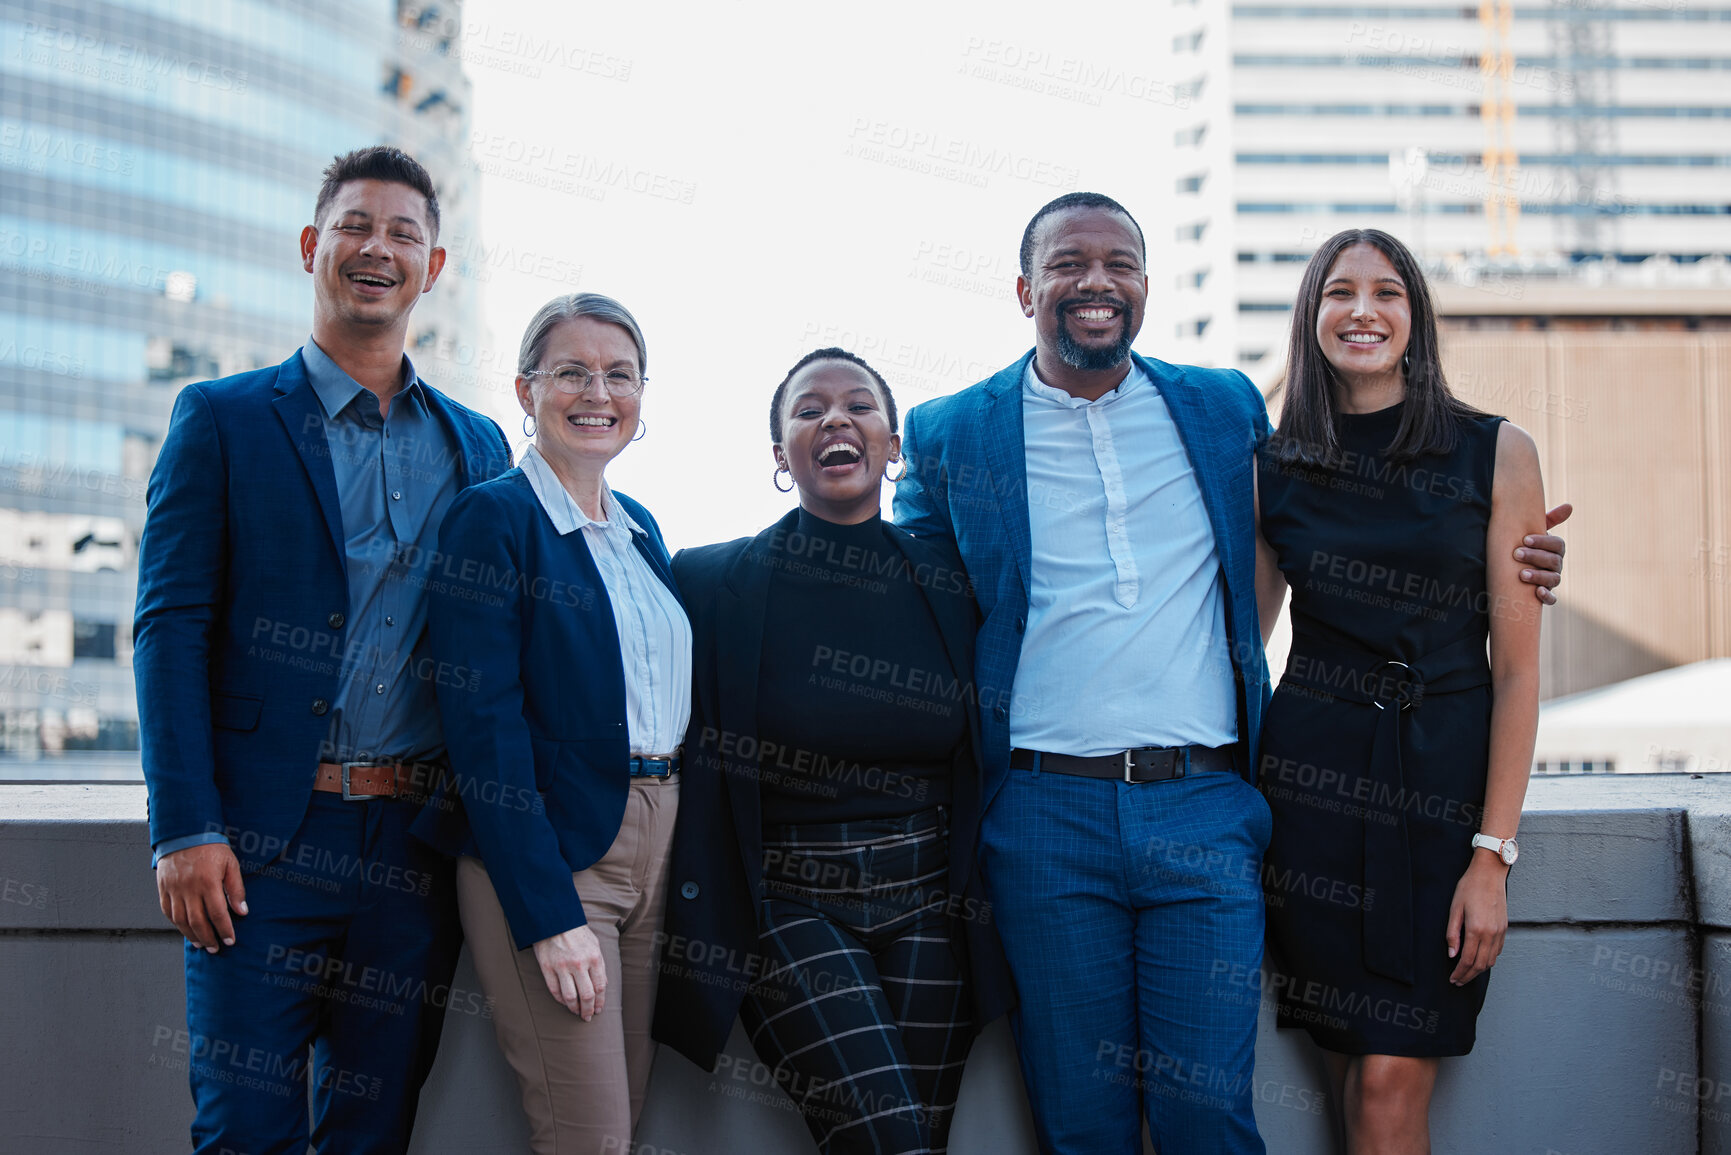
pixel 286 700
pixel 1102 503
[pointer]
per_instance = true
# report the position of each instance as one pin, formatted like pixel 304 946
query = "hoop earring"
pixel 775 478
pixel 1406 363
pixel 899 476
pixel 642 428
pixel 528 425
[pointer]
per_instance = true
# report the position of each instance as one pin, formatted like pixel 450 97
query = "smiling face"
pixel 836 440
pixel 1086 290
pixel 582 432
pixel 371 257
pixel 1365 317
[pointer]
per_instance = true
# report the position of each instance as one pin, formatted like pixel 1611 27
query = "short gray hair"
pixel 568 308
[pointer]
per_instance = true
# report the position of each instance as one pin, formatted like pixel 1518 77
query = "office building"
pixel 157 162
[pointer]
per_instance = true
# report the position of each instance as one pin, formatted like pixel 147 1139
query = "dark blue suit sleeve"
pixel 182 562
pixel 475 620
pixel 920 505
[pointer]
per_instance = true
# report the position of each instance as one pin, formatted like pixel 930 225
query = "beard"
pixel 1094 360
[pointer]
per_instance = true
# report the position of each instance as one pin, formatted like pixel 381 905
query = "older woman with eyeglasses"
pixel 564 682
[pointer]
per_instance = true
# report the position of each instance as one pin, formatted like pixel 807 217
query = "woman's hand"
pixel 1478 917
pixel 576 974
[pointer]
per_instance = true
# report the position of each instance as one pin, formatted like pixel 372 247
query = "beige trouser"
pixel 583 1082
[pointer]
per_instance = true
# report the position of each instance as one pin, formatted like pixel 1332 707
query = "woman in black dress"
pixel 831 766
pixel 1395 752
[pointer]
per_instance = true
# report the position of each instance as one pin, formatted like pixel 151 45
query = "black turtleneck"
pixel 855 689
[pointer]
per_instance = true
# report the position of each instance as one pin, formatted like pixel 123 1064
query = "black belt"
pixel 1143 764
pixel 1356 675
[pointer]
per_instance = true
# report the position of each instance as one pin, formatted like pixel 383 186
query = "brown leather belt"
pixel 362 780
pixel 1143 764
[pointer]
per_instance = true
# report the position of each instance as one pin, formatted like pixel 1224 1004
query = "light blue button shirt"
pixel 654 633
pixel 1126 640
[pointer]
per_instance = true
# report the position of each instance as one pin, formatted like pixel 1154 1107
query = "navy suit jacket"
pixel 711 954
pixel 534 707
pixel 242 603
pixel 967 481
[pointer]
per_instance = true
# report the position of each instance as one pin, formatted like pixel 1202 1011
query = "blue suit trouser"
pixel 344 966
pixel 1131 916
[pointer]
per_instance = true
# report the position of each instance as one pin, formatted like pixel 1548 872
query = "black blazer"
pixel 711 954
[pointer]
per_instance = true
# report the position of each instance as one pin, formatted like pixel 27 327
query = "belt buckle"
pixel 1176 769
pixel 1407 700
pixel 365 765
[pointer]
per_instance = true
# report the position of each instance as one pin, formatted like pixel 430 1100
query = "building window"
pixel 93 640
pixel 1192 183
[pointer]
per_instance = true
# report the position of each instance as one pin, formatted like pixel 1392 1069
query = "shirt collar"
pixel 1032 385
pixel 337 390
pixel 561 508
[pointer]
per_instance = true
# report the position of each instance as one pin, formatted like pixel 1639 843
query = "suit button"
pixel 1001 713
pixel 336 621
pixel 689 890
pixel 1021 624
pixel 320 706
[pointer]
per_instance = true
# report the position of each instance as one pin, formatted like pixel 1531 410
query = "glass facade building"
pixel 1514 145
pixel 158 159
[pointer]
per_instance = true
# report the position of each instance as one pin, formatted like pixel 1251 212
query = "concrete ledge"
pixel 1607 1028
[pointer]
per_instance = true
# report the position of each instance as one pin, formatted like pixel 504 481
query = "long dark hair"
pixel 1309 420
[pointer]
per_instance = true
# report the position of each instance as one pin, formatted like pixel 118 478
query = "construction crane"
pixel 1497 114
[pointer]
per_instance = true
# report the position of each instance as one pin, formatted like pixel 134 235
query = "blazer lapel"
pixel 1225 494
pixel 741 606
pixel 303 418
pixel 955 628
pixel 1007 462
pixel 658 561
pixel 473 457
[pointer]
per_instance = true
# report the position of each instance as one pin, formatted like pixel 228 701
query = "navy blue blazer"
pixel 711 954
pixel 535 727
pixel 242 600
pixel 967 482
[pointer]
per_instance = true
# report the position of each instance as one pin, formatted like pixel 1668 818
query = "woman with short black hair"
pixel 831 766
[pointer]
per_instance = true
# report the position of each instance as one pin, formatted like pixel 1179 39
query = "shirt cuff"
pixel 170 845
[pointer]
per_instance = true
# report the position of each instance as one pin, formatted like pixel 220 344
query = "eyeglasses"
pixel 575 379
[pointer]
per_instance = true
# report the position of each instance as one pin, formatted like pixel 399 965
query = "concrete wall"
pixel 1608 1026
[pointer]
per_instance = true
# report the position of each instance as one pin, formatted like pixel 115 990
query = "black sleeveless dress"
pixel 1375 748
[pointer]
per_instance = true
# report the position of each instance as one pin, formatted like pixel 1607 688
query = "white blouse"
pixel 654 633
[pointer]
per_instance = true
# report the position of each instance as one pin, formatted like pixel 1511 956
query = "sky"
pixel 756 183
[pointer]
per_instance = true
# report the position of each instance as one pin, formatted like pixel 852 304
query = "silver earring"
pixel 775 478
pixel 898 476
pixel 1406 363
pixel 642 428
pixel 528 425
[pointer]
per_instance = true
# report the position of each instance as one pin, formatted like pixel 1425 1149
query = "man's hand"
pixel 1542 554
pixel 197 887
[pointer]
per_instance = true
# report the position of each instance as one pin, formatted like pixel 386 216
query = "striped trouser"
pixel 862 1011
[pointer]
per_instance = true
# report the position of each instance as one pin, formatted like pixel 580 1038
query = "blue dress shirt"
pixel 395 475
